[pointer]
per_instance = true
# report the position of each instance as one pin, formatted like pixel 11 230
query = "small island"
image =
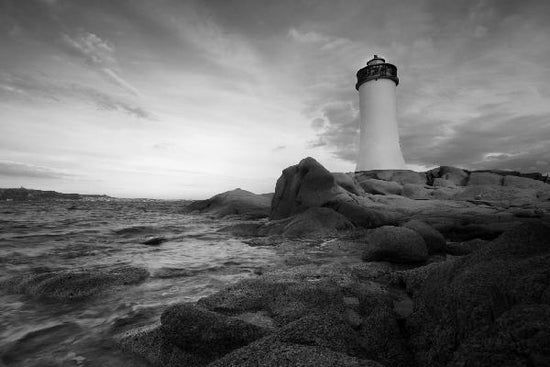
pixel 23 194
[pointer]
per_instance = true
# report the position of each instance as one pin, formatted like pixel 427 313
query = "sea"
pixel 195 260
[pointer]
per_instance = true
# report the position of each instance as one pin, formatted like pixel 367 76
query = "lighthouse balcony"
pixel 375 72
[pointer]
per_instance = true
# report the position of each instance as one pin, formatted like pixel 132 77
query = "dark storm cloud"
pixel 16 169
pixel 490 141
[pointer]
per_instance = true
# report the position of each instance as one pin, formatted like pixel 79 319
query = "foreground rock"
pixel 236 203
pixel 73 285
pixel 395 244
pixel 206 333
pixel 488 308
pixel 284 301
pixel 392 268
pixel 153 346
pixel 277 354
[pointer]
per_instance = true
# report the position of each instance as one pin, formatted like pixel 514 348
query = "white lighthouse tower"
pixel 379 146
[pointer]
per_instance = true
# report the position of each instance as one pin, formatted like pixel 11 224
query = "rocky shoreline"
pixel 444 268
pixel 379 268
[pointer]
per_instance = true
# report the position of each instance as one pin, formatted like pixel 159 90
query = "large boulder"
pixel 310 185
pixel 487 308
pixel 206 333
pixel 305 185
pixel 433 238
pixel 72 285
pixel 395 244
pixel 236 202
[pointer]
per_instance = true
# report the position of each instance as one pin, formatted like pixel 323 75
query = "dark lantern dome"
pixel 377 68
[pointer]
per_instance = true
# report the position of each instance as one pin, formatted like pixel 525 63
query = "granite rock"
pixel 237 202
pixel 434 240
pixel 395 244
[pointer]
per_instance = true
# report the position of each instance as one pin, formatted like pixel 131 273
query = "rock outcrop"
pixel 377 268
pixel 310 185
pixel 488 308
pixel 237 202
pixel 305 185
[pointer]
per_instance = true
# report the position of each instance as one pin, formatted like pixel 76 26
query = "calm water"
pixel 195 261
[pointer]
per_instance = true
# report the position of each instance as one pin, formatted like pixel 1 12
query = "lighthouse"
pixel 379 145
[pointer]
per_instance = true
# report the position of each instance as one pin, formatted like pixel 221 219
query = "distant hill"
pixel 23 194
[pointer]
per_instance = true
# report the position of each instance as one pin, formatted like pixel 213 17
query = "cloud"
pixel 307 37
pixel 27 87
pixel 489 141
pixel 17 169
pixel 340 131
pixel 104 101
pixel 98 54
pixel 318 123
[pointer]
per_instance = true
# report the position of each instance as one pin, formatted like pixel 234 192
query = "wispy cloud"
pixel 18 169
pixel 27 87
pixel 99 54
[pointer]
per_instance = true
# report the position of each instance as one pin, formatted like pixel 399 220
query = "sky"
pixel 185 99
